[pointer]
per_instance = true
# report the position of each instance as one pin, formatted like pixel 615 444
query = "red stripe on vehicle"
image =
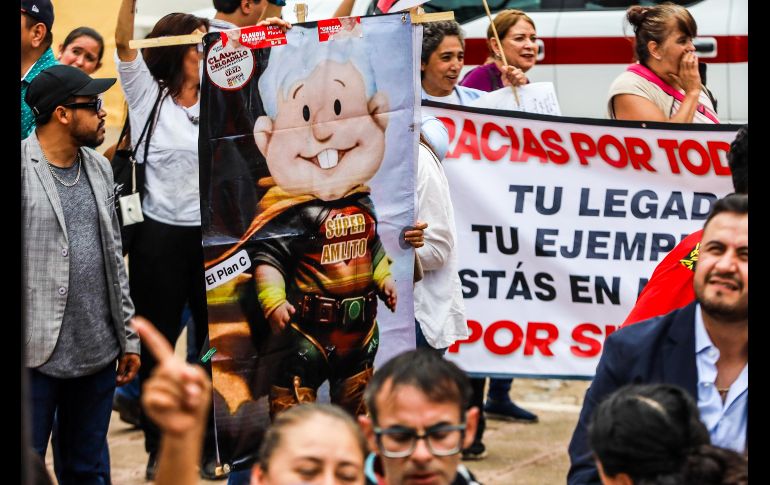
pixel 607 50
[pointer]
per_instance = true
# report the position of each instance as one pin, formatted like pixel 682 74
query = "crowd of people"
pixel 669 400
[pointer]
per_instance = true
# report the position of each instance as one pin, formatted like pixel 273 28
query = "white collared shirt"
pixel 438 296
pixel 726 422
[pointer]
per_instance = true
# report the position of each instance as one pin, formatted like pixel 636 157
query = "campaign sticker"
pixel 259 37
pixel 230 65
pixel 339 28
pixel 227 269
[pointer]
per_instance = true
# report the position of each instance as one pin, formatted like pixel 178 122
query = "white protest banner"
pixel 534 98
pixel 560 221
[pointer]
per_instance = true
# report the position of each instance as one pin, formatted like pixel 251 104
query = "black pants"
pixel 477 399
pixel 165 272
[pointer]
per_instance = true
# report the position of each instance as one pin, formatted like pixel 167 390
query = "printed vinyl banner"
pixel 307 153
pixel 560 221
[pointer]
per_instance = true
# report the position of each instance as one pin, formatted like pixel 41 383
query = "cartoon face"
pixel 327 137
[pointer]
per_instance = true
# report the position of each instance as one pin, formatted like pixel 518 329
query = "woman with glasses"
pixel 165 256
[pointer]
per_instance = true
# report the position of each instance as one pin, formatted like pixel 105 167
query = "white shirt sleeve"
pixel 140 90
pixel 432 207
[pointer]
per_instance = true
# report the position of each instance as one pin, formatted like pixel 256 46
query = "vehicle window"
pixel 467 10
pixel 618 4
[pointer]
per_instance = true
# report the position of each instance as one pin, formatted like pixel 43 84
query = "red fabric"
pixel 384 5
pixel 670 286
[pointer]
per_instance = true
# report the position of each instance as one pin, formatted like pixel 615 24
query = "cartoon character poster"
pixel 307 153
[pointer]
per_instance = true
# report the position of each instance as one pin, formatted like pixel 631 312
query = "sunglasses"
pixel 95 105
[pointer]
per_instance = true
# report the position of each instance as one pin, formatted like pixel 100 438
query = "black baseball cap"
pixel 54 85
pixel 40 10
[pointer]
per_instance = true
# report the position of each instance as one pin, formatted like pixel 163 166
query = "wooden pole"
pixel 301 10
pixel 421 18
pixel 194 38
pixel 500 46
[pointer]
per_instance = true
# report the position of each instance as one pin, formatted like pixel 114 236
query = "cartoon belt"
pixel 345 312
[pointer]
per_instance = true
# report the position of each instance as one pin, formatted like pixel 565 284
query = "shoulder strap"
pixel 123 132
pixel 647 74
pixel 150 119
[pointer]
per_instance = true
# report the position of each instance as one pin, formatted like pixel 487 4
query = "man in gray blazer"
pixel 76 306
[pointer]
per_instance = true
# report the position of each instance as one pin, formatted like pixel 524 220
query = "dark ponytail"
pixel 710 465
pixel 647 432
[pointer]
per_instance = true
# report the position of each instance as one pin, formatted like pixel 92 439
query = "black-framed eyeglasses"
pixel 400 441
pixel 95 105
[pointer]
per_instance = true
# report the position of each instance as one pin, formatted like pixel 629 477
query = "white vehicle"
pixel 585 44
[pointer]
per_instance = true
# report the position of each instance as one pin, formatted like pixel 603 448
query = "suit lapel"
pixel 47 181
pixel 679 352
pixel 99 190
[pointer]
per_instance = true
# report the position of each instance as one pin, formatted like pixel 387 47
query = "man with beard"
pixel 76 299
pixel 702 347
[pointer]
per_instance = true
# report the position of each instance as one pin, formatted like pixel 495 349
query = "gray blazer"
pixel 45 263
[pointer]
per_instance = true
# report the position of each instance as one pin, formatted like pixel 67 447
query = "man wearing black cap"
pixel 77 306
pixel 36 53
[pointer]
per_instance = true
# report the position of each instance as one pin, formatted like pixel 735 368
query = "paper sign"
pixel 257 37
pixel 227 269
pixel 535 98
pixel 339 28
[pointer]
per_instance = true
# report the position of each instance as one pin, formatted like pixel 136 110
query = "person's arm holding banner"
pixel 124 30
pixel 177 399
pixel 513 76
pixel 345 8
pixel 416 235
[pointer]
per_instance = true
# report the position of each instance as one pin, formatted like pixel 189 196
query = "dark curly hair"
pixel 433 34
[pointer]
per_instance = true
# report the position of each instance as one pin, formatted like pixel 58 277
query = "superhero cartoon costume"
pixel 333 264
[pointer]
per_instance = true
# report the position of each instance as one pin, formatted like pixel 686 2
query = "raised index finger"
pixel 152 338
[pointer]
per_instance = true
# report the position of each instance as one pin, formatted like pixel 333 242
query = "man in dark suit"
pixel 702 347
